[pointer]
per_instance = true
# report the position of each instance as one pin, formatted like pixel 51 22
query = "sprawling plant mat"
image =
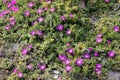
pixel 59 39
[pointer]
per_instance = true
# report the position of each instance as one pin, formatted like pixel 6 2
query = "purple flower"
pixel 68 44
pixel 12 23
pixel 98 71
pixel 45 8
pixel 14 8
pixel 79 62
pixel 30 46
pixel 4 1
pixel 15 70
pixel 116 28
pixel 34 22
pixel 68 68
pixel 12 18
pixel 27 13
pixel 62 57
pixel 42 67
pixel 99 35
pixel 111 54
pixel 96 54
pixel 30 4
pixel 13 2
pixel 60 27
pixel 63 18
pixel 99 66
pixel 40 19
pixel 98 40
pixel 48 1
pixel 9 5
pixel 107 0
pixel 90 49
pixel 33 33
pixel 52 9
pixel 71 15
pixel 39 10
pixel 20 74
pixel 70 50
pixel 5 12
pixel 67 62
pixel 29 66
pixel 7 27
pixel 108 42
pixel 68 32
pixel 24 52
pixel 87 56
pixel 39 33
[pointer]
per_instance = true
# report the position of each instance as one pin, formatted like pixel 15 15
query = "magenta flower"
pixel 90 49
pixel 98 40
pixel 33 33
pixel 39 33
pixel 68 44
pixel 60 27
pixel 7 27
pixel 45 8
pixel 24 52
pixel 52 9
pixel 48 1
pixel 87 56
pixel 12 23
pixel 13 2
pixel 107 0
pixel 99 66
pixel 30 46
pixel 111 54
pixel 71 15
pixel 27 13
pixel 116 28
pixel 20 74
pixel 30 4
pixel 29 67
pixel 39 11
pixel 96 54
pixel 12 18
pixel 4 1
pixel 70 50
pixel 63 18
pixel 15 70
pixel 68 32
pixel 5 12
pixel 99 72
pixel 68 68
pixel 79 62
pixel 34 22
pixel 67 62
pixel 40 19
pixel 9 5
pixel 42 67
pixel 62 57
pixel 14 8
pixel 108 42
pixel 99 35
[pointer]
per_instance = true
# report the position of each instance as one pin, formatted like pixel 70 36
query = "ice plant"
pixel 39 33
pixel 90 49
pixel 27 13
pixel 60 27
pixel 20 74
pixel 12 18
pixel 13 2
pixel 98 40
pixel 99 66
pixel 68 32
pixel 39 10
pixel 68 68
pixel 107 0
pixel 42 67
pixel 40 19
pixel 29 67
pixel 87 56
pixel 116 28
pixel 96 54
pixel 30 4
pixel 79 62
pixel 111 54
pixel 52 9
pixel 4 1
pixel 71 15
pixel 33 33
pixel 99 35
pixel 62 57
pixel 7 27
pixel 108 42
pixel 9 5
pixel 67 62
pixel 70 50
pixel 68 44
pixel 24 51
pixel 63 18
pixel 14 8
pixel 15 70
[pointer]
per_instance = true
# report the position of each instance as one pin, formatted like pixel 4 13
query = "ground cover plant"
pixel 75 39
